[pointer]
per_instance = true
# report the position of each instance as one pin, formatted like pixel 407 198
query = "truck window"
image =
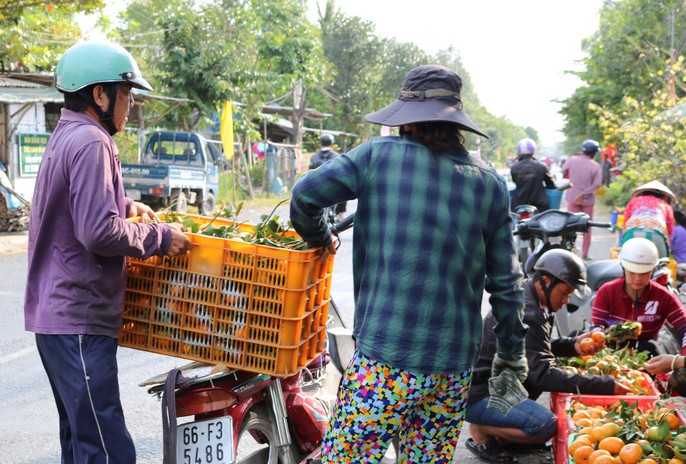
pixel 215 151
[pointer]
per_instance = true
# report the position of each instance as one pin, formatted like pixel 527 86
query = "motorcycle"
pixel 553 229
pixel 524 246
pixel 244 417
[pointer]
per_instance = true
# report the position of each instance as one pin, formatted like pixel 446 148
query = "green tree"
pixel 35 33
pixel 629 56
pixel 247 51
pixel 354 51
pixel 651 138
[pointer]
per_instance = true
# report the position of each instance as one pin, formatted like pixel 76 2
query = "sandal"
pixel 489 452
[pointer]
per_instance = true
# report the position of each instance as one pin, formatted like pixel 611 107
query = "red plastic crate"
pixel 558 399
pixel 565 424
pixel 229 302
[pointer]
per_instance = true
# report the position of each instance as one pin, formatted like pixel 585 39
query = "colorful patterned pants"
pixel 376 402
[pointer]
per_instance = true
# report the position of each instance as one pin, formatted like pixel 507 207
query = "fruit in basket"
pixel 603 459
pixel 587 345
pixel 598 336
pixel 629 433
pixel 579 441
pixel 669 416
pixel 611 444
pixel 655 433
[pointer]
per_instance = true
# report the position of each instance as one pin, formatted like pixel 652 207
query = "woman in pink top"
pixel 585 176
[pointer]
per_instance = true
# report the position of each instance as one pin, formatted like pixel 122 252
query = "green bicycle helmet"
pixel 89 63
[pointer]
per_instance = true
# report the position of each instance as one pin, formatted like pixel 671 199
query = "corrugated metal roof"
pixel 30 95
pixel 19 83
pixel 20 92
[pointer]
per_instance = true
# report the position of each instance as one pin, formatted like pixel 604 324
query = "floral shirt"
pixel 650 209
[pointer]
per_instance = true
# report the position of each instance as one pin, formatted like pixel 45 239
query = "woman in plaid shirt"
pixel 432 231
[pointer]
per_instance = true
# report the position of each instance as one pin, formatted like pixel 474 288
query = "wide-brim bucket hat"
pixel 429 93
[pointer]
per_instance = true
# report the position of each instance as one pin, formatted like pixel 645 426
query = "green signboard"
pixel 31 149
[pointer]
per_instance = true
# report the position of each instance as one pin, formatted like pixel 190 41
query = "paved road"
pixel 28 419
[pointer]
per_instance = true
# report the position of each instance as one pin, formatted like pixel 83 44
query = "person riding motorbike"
pixel 650 210
pixel 531 178
pixel 635 297
pixel 559 273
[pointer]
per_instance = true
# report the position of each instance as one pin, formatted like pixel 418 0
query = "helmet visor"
pixel 582 291
pixel 636 268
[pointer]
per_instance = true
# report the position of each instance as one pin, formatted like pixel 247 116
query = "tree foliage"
pixel 354 51
pixel 628 56
pixel 368 71
pixel 246 51
pixel 35 33
pixel 651 135
pixel 253 52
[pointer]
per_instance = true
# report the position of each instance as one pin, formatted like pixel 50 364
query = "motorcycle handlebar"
pixel 605 225
pixel 343 225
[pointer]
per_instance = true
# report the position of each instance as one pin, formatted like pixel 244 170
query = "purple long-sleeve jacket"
pixel 79 236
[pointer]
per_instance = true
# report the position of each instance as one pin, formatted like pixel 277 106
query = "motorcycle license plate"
pixel 134 194
pixel 205 442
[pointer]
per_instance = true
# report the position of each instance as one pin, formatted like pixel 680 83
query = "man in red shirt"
pixel 635 297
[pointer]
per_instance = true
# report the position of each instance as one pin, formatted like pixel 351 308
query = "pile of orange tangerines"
pixel 626 433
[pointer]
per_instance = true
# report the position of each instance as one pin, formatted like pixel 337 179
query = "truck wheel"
pixel 181 203
pixel 207 204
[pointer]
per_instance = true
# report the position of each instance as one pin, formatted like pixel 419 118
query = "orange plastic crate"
pixel 229 302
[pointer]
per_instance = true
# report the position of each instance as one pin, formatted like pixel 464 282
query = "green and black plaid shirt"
pixel 431 232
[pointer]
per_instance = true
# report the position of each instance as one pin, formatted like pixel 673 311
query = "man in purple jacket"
pixel 78 240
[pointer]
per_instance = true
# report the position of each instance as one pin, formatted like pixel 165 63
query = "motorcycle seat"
pixel 603 271
pixel 653 235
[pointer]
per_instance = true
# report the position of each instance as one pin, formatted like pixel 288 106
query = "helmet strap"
pixel 635 296
pixel 547 289
pixel 106 117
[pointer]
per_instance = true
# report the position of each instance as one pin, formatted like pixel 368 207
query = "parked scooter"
pixel 553 229
pixel 245 417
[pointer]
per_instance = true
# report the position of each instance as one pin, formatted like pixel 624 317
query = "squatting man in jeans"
pixel 559 273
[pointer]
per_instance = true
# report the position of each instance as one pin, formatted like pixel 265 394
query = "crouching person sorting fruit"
pixel 559 273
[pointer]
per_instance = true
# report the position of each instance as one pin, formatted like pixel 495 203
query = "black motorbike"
pixel 553 229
